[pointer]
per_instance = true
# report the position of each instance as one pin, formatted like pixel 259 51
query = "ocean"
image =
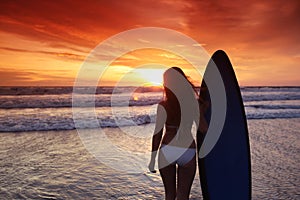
pixel 43 157
pixel 50 108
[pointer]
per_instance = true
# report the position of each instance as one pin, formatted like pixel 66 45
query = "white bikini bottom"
pixel 177 155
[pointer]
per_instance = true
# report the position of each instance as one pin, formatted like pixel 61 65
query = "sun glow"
pixel 135 98
pixel 152 77
pixel 143 67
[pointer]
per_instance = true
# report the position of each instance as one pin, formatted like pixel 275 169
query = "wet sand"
pixel 56 165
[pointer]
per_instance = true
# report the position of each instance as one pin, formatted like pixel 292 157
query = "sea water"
pixel 50 108
pixel 42 156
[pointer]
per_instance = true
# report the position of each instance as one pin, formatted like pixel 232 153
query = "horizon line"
pixel 135 86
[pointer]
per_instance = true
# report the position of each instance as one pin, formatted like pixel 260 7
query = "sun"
pixel 152 77
pixel 153 84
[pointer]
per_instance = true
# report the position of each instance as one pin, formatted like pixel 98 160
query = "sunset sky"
pixel 45 42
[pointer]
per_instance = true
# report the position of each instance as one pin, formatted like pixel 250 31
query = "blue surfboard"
pixel 225 172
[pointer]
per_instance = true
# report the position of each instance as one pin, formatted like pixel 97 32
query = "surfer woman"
pixel 177 149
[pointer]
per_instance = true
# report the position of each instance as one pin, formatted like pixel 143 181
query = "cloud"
pixel 11 77
pixel 216 23
pixel 254 33
pixel 64 55
pixel 86 23
pixel 245 24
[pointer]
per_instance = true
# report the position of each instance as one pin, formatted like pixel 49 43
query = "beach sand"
pixel 56 165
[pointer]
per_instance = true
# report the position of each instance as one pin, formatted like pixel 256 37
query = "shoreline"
pixel 125 127
pixel 56 164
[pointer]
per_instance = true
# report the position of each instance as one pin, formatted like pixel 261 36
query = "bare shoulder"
pixel 162 103
pixel 162 106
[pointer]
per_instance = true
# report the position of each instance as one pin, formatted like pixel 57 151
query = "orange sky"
pixel 46 42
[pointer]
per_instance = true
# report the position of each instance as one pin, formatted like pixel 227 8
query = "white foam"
pixel 54 111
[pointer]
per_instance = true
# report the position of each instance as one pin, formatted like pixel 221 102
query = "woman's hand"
pixel 151 166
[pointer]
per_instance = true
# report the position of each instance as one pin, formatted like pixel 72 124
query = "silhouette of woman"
pixel 176 147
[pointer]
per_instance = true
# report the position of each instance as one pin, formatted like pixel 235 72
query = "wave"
pixel 55 124
pixel 62 101
pixel 270 96
pixel 68 124
pixel 271 88
pixel 276 115
pixel 275 107
pixel 105 100
pixel 46 90
pixel 44 112
pixel 62 119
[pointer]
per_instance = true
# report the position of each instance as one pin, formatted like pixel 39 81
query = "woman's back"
pixel 181 107
pixel 177 133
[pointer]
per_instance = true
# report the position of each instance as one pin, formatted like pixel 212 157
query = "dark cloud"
pixel 253 24
pixel 63 55
pixel 216 23
pixel 85 23
pixel 75 22
pixel 11 77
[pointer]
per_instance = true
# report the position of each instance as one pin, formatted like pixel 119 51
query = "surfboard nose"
pixel 220 58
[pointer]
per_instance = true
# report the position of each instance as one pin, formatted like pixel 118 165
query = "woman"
pixel 177 149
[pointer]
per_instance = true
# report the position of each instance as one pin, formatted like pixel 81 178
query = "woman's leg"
pixel 168 175
pixel 186 175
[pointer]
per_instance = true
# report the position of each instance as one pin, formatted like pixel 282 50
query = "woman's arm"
pixel 161 117
pixel 203 106
pixel 203 126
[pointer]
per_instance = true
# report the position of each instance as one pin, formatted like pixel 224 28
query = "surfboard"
pixel 225 172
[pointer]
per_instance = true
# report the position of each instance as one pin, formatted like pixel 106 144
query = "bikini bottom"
pixel 177 155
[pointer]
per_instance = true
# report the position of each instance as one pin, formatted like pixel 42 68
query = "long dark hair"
pixel 180 97
pixel 169 96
